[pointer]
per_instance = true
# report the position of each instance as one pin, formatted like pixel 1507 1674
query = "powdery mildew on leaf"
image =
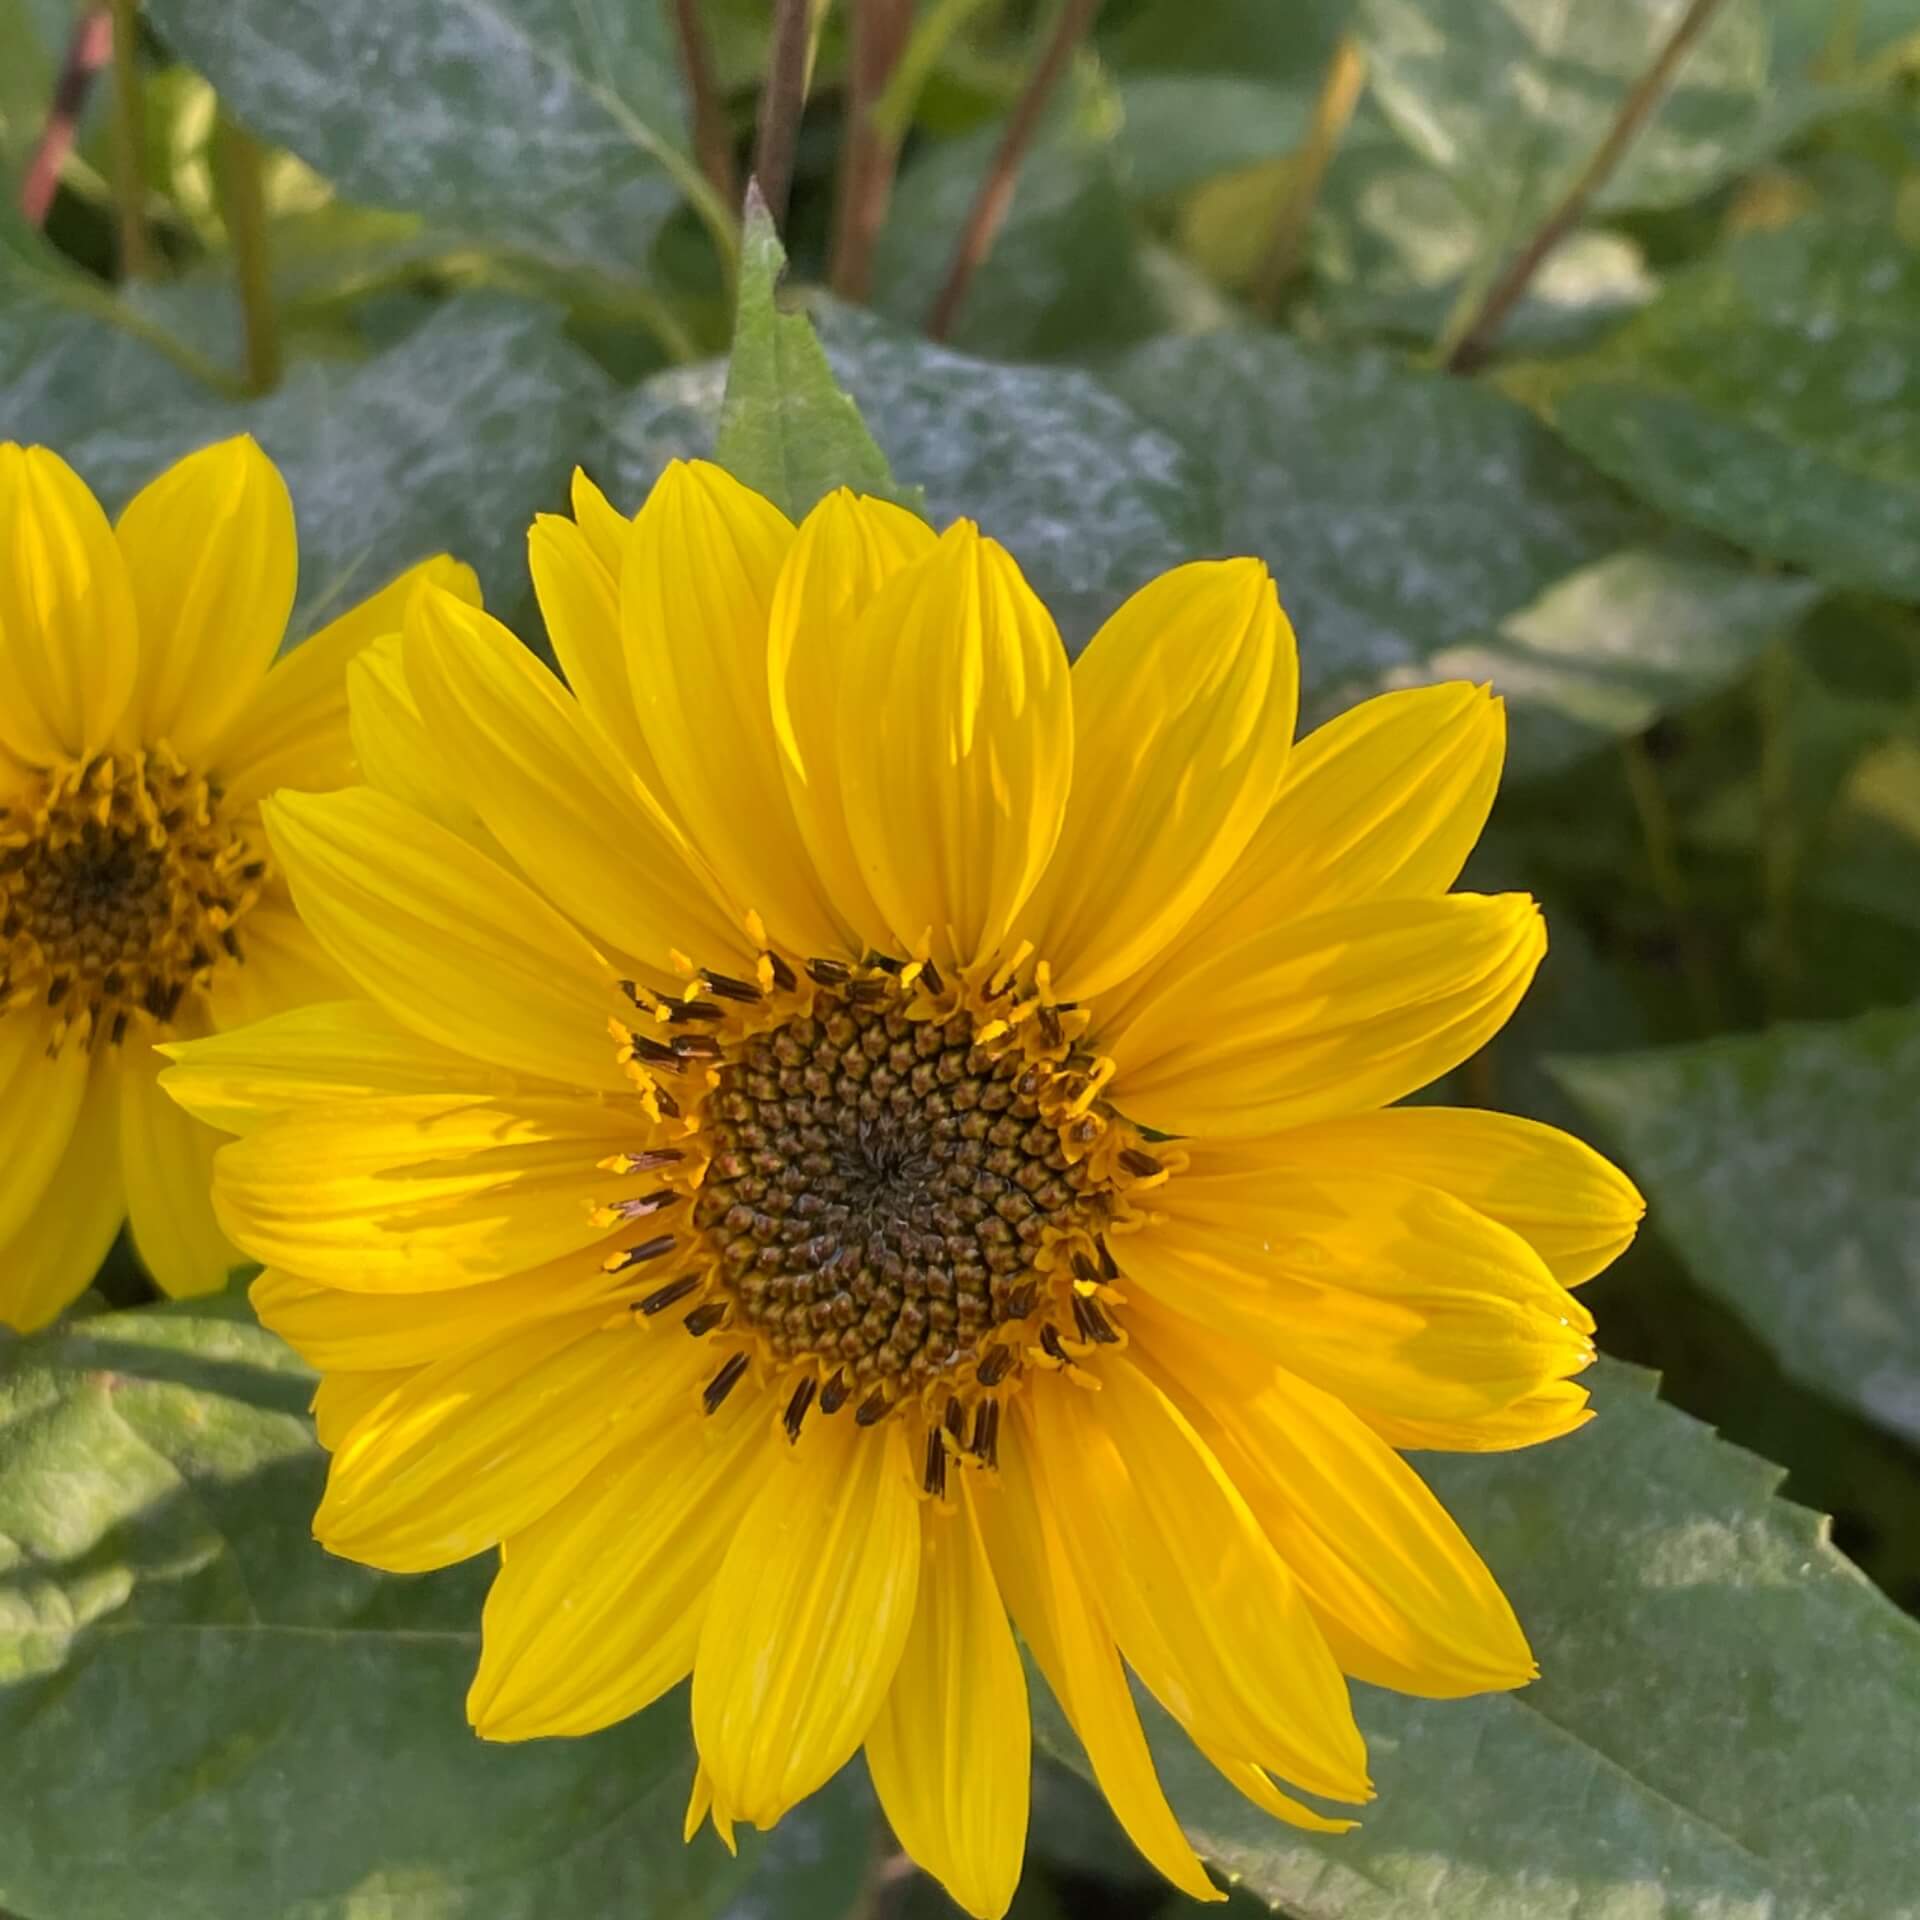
pixel 536 125
pixel 1786 1169
pixel 1727 1727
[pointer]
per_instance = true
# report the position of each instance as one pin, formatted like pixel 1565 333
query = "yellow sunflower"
pixel 141 721
pixel 857 1141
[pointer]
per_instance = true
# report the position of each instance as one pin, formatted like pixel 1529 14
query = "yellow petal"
pixel 295 733
pixel 1385 802
pixel 544 780
pixel 396 751
pixel 422 1191
pixel 336 1327
pixel 1334 1014
pixel 597 1608
pixel 1183 711
pixel 950 1748
pixel 282 966
pixel 58 1248
pixel 1218 1629
pixel 445 939
pixel 69 636
pixel 847 547
pixel 956 746
pixel 576 578
pixel 1558 1408
pixel 166 1159
pixel 1061 1621
pixel 211 552
pixel 695 592
pixel 1397 1298
pixel 342 1400
pixel 40 1101
pixel 1576 1210
pixel 322 1055
pixel 1403 1599
pixel 807 1620
pixel 476 1448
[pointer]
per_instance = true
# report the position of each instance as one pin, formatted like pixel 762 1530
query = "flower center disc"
pixel 899 1188
pixel 120 892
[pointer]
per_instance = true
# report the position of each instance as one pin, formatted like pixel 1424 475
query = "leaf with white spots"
pixel 1785 1168
pixel 1726 1727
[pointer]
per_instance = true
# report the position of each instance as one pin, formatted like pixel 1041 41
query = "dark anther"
pixel 930 975
pixel 1050 1344
pixel 696 1046
pixel 986 1432
pixel 631 988
pixel 653 1158
pixel 829 973
pixel 119 1026
pixel 57 989
pixel 231 941
pixel 833 1396
pixel 724 1382
pixel 797 1407
pixel 646 1250
pixel 994 1366
pixel 1051 1030
pixel 872 1409
pixel 1142 1164
pixel 956 1419
pixel 705 1317
pixel 1083 1268
pixel 866 993
pixel 887 962
pixel 655 1051
pixel 681 1011
pixel 1109 1266
pixel 668 1105
pixel 934 1476
pixel 662 1298
pixel 656 1202
pixel 1095 1328
pixel 784 976
pixel 1020 1300
pixel 728 988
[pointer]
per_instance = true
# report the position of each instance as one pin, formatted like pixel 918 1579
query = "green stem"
pixel 1669 881
pixel 1779 844
pixel 893 111
pixel 239 161
pixel 129 142
pixel 1339 91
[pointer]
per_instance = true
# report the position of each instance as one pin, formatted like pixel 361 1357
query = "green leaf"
pixel 1511 100
pixel 1062 280
pixel 1091 499
pixel 536 127
pixel 1724 1724
pixel 1605 652
pixel 205 1715
pixel 451 440
pixel 1422 527
pixel 785 428
pixel 1772 395
pixel 1179 129
pixel 1782 1166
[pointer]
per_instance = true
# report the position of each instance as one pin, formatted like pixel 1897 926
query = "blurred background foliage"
pixel 1255 290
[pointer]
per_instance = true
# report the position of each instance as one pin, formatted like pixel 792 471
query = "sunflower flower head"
pixel 141 722
pixel 855 1139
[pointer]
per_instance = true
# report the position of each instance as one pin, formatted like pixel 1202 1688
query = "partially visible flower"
pixel 142 718
pixel 851 1298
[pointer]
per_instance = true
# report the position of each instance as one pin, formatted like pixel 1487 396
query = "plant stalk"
pixel 783 96
pixel 990 205
pixel 1669 881
pixel 1473 338
pixel 868 156
pixel 711 145
pixel 239 163
pixel 1339 93
pixel 89 47
pixel 129 142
